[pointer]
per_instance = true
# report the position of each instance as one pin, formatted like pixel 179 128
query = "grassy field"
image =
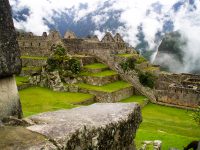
pixel 112 87
pixel 36 99
pixel 96 66
pixel 21 80
pixel 136 98
pixel 126 55
pixel 100 74
pixel 34 57
pixel 173 126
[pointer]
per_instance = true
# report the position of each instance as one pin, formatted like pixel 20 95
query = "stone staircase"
pixel 104 83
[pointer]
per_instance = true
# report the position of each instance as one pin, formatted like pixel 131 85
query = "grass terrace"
pixel 140 60
pixel 136 98
pixel 96 66
pixel 31 68
pixel 21 80
pixel 174 127
pixel 36 100
pixel 34 57
pixel 127 55
pixel 112 87
pixel 100 74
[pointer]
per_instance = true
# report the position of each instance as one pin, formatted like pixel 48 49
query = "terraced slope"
pixel 104 83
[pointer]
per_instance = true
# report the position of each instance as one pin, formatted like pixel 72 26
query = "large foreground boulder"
pixel 110 126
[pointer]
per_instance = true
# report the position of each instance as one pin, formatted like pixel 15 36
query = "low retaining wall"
pixel 99 81
pixel 110 97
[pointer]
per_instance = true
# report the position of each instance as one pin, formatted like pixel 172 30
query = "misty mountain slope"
pixel 173 56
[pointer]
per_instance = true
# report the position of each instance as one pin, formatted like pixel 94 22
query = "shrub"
pixel 129 64
pixel 196 115
pixel 60 61
pixel 147 79
pixel 74 66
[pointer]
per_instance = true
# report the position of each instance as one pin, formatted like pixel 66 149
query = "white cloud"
pixel 134 14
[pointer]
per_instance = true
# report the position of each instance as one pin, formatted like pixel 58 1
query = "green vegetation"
pixel 112 87
pixel 31 68
pixel 100 74
pixel 151 68
pixel 21 80
pixel 129 64
pixel 36 100
pixel 96 66
pixel 140 60
pixel 60 61
pixel 34 57
pixel 196 115
pixel 173 126
pixel 126 55
pixel 136 98
pixel 147 79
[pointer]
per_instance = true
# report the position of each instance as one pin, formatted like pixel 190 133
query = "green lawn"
pixel 100 74
pixel 173 126
pixel 21 80
pixel 31 68
pixel 112 87
pixel 126 55
pixel 96 66
pixel 36 100
pixel 34 57
pixel 140 60
pixel 135 98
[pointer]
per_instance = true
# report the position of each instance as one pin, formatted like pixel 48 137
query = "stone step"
pixel 101 78
pixel 113 92
pixel 95 68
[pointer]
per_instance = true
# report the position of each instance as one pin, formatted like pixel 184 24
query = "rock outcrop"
pixel 110 126
pixel 10 64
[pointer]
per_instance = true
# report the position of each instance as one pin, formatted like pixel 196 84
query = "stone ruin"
pixel 180 90
pixel 98 126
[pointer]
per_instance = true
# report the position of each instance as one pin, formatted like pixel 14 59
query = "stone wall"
pixel 110 97
pixel 10 64
pixel 178 89
pixel 32 45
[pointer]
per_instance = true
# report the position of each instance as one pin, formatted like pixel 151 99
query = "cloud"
pixel 123 16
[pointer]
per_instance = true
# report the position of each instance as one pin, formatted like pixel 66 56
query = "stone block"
pixel 99 126
pixel 9 98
